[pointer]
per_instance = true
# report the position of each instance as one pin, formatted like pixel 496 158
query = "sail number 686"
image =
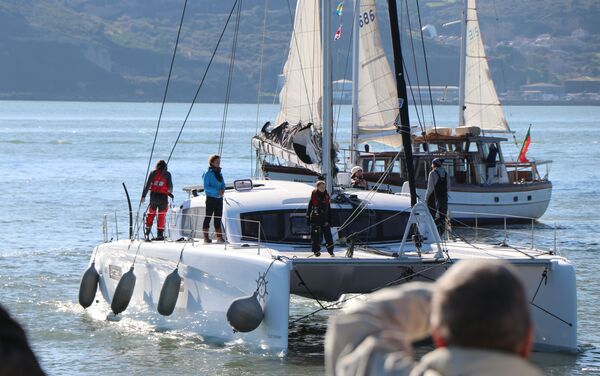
pixel 366 17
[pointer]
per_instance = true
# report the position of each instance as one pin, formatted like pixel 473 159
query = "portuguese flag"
pixel 525 146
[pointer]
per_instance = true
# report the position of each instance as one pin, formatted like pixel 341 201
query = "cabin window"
pixel 191 221
pixel 283 226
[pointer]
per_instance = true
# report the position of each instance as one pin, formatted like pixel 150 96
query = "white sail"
pixel 300 97
pixel 482 106
pixel 377 95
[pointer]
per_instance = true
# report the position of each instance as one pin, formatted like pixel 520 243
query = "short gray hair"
pixel 481 304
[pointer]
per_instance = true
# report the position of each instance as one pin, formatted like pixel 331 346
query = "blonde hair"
pixel 212 158
pixel 319 182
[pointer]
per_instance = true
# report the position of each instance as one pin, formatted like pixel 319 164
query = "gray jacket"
pixel 374 337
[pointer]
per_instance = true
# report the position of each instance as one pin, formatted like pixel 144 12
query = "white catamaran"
pixel 241 290
pixel 485 186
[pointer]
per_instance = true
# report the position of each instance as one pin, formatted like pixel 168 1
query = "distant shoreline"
pixel 452 103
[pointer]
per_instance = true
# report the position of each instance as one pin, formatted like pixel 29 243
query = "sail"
pixel 377 95
pixel 300 97
pixel 482 106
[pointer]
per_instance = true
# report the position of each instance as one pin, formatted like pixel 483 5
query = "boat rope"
pixel 426 66
pixel 302 283
pixel 402 278
pixel 544 280
pixel 201 83
pixel 230 77
pixel 162 106
pixel 414 58
pixel 260 76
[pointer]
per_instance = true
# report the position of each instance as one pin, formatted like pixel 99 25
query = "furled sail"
pixel 377 95
pixel 300 97
pixel 482 106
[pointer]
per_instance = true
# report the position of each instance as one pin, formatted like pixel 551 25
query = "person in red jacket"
pixel 160 186
pixel 318 216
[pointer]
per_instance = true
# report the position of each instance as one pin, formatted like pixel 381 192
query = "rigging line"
pixel 202 80
pixel 426 66
pixel 310 105
pixel 230 77
pixel 337 119
pixel 162 106
pixel 414 58
pixel 260 74
pixel 412 94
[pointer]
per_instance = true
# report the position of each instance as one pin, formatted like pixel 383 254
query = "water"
pixel 63 164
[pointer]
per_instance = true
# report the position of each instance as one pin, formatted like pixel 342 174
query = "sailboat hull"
pixel 215 275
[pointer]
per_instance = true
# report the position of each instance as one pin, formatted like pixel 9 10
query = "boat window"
pixel 284 226
pixel 191 221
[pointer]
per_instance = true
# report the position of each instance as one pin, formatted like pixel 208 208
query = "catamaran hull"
pixel 213 277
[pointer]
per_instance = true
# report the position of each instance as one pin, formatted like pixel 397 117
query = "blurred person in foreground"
pixel 476 313
pixel 16 357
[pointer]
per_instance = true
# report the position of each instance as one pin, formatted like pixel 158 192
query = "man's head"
pixel 481 304
pixel 16 357
pixel 437 162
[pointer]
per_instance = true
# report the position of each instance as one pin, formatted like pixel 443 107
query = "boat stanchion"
pixel 88 286
pixel 169 294
pixel 123 292
pixel 245 314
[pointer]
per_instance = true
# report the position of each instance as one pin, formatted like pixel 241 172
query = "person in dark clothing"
pixel 16 357
pixel 160 185
pixel 491 164
pixel 318 216
pixel 214 189
pixel 436 197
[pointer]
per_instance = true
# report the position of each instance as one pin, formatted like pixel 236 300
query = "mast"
pixel 327 162
pixel 402 100
pixel 463 61
pixel 355 69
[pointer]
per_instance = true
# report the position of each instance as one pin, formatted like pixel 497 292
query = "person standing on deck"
pixel 491 165
pixel 436 197
pixel 318 217
pixel 160 185
pixel 214 189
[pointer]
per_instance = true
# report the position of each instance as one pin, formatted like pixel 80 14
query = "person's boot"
pixel 330 251
pixel 147 234
pixel 219 234
pixel 206 237
pixel 159 235
pixel 317 253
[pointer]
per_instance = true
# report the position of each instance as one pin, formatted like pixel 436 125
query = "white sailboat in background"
pixel 247 282
pixel 481 190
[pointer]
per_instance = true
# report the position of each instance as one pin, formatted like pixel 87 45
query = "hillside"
pixel 120 50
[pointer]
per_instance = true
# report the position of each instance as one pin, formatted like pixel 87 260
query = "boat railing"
pixel 111 230
pixel 504 231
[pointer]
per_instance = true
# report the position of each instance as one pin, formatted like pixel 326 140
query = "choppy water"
pixel 63 163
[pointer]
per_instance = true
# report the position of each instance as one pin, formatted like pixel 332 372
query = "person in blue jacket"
pixel 214 189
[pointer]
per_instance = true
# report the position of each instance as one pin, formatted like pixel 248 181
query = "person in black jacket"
pixel 318 216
